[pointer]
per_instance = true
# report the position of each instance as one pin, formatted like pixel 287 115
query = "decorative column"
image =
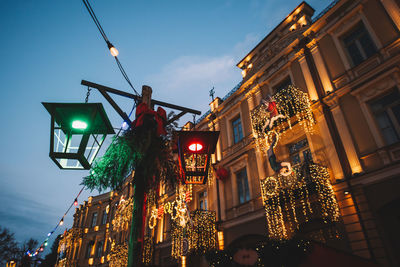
pixel 332 101
pixel 312 92
pixel 393 10
pixel 330 149
pixel 259 156
pixel 322 71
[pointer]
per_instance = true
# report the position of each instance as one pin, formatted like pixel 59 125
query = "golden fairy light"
pixel 118 255
pixel 304 195
pixel 197 236
pixel 293 107
pixel 123 215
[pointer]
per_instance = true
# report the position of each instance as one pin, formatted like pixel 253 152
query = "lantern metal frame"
pixel 63 135
pixel 208 140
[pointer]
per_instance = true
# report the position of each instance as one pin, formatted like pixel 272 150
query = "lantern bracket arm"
pixel 104 90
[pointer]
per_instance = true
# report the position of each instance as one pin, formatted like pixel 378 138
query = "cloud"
pixel 189 78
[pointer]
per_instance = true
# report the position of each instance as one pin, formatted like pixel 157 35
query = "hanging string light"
pixel 60 223
pixel 305 195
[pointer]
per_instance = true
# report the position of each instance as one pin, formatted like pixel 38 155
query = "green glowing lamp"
pixel 78 131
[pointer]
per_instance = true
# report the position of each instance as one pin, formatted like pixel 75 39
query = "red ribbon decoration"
pixel 160 117
pixel 272 109
pixel 222 173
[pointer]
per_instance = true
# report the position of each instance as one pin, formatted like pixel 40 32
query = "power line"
pixel 109 45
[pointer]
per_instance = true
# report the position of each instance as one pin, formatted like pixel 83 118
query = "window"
pixel 83 220
pixel 99 249
pixel 386 110
pixel 282 85
pixel 300 152
pixel 237 130
pixel 94 219
pixel 89 249
pixel 203 200
pixel 104 217
pixel 358 44
pixel 242 186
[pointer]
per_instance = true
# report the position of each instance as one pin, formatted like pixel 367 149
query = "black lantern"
pixel 195 149
pixel 77 132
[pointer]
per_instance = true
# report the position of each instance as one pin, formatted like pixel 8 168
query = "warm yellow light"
pixel 102 259
pixel 90 261
pixel 243 73
pixel 221 240
pixel 96 228
pixel 346 192
pixel 183 261
pixel 62 221
pixel 114 51
pixel 250 66
pixel 86 230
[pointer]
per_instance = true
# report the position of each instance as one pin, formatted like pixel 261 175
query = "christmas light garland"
pixel 123 215
pixel 118 255
pixel 198 236
pixel 292 200
pixel 290 102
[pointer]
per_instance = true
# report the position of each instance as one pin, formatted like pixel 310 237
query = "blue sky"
pixel 179 48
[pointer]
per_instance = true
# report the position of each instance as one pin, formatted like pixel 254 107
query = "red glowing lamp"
pixel 195 149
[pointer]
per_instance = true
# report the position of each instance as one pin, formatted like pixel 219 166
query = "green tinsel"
pixel 110 171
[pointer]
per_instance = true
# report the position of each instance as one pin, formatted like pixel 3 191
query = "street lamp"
pixel 77 132
pixel 195 149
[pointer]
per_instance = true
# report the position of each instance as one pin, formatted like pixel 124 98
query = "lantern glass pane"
pixel 195 162
pixel 70 163
pixel 93 146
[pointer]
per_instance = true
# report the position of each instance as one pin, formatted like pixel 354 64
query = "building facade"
pixel 346 59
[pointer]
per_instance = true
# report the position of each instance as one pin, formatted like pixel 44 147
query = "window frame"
pixel 238 125
pixel 97 249
pixel 393 121
pixel 359 30
pixel 89 248
pixel 104 217
pixel 202 199
pixel 242 186
pixel 300 151
pixel 93 222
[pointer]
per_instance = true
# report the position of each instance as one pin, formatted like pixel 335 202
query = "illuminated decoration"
pixel 273 118
pixel 62 221
pixel 76 202
pixel 195 149
pixel 153 219
pixel 221 244
pixel 197 236
pixel 148 250
pixel 77 132
pixel 114 52
pixel 118 255
pixel 66 244
pixel 292 200
pixel 80 125
pixel 123 215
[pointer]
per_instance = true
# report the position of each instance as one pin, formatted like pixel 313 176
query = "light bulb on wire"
pixel 62 221
pixel 76 202
pixel 114 52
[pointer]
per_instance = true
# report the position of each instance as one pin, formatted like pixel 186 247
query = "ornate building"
pixel 323 167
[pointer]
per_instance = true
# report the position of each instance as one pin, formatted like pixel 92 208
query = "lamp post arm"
pixel 104 90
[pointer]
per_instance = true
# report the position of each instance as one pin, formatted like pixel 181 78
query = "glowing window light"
pixel 195 147
pixel 77 124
